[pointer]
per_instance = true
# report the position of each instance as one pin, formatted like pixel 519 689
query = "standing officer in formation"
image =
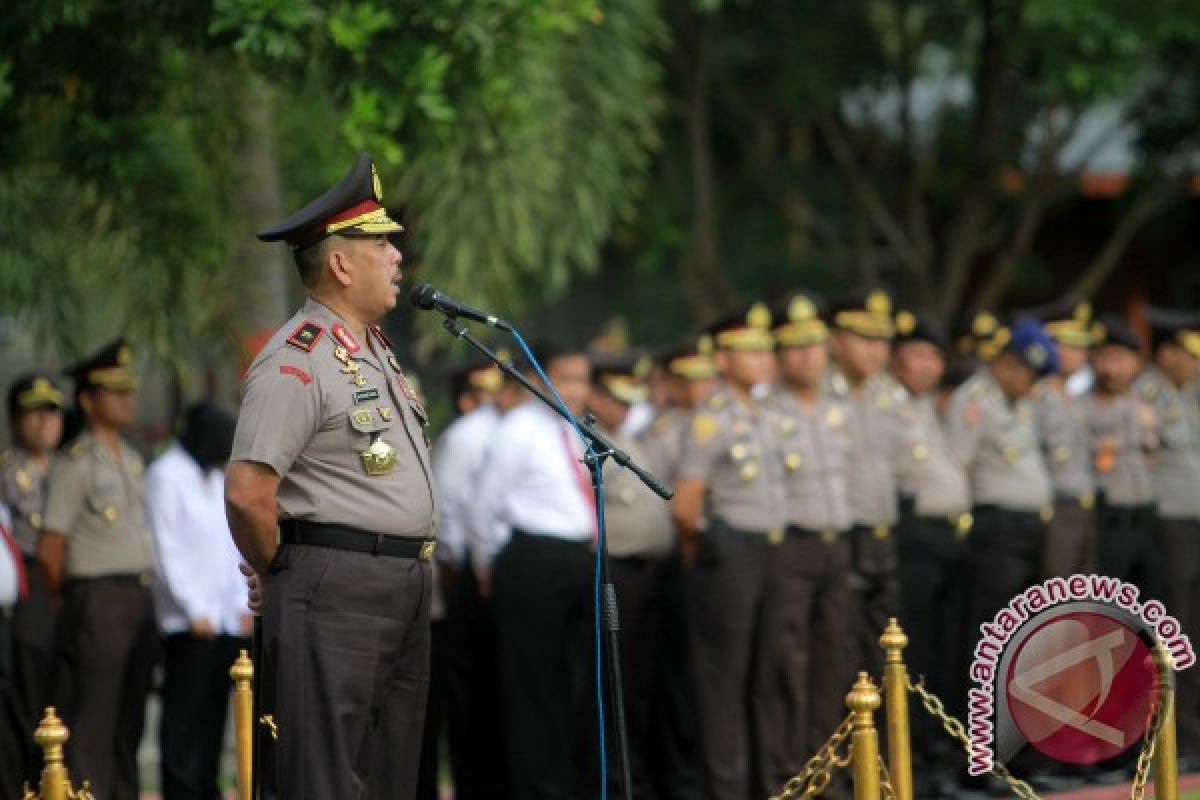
pixel 731 514
pixel 330 499
pixel 1164 386
pixel 862 329
pixel 814 431
pixel 1071 533
pixel 638 525
pixel 534 515
pixel 97 553
pixel 35 415
pixel 934 521
pixel 992 432
pixel 1122 433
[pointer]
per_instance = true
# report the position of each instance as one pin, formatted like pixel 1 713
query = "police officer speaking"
pixel 330 449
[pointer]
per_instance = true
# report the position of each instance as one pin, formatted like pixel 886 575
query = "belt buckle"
pixel 829 535
pixel 1087 501
pixel 428 548
pixel 881 532
pixel 775 536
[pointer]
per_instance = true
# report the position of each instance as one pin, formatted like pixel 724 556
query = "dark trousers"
pixel 818 655
pixel 107 647
pixel 347 635
pixel 1127 545
pixel 675 742
pixel 1181 556
pixel 932 605
pixel 473 720
pixel 195 699
pixel 635 581
pixel 875 580
pixel 435 714
pixel 33 658
pixel 12 735
pixel 1004 556
pixel 743 603
pixel 543 600
pixel 1070 539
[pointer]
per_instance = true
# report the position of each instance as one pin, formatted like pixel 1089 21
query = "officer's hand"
pixel 254 595
pixel 247 621
pixel 203 628
pixel 689 546
pixel 483 577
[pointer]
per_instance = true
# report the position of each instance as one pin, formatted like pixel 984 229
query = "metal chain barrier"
pixel 1146 756
pixel 886 790
pixel 818 772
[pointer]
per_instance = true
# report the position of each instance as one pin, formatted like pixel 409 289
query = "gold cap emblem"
pixel 704 345
pixel 801 309
pixel 759 316
pixel 879 303
pixel 906 322
pixel 376 185
pixel 124 356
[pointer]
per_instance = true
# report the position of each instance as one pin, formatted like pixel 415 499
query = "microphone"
pixel 427 298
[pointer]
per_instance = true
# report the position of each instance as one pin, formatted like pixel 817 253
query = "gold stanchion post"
pixel 895 697
pixel 864 746
pixel 51 735
pixel 242 673
pixel 1166 766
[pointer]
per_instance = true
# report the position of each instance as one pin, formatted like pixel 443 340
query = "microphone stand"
pixel 602 448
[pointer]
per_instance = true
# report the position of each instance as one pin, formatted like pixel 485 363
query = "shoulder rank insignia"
pixel 704 427
pixel 77 449
pixel 717 400
pixel 1150 389
pixel 345 338
pixel 306 336
pixel 381 336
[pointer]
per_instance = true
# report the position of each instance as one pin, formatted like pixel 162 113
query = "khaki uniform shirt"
pixel 735 451
pixel 662 443
pixel 23 490
pixel 873 423
pixel 996 441
pixel 817 446
pixel 925 468
pixel 637 521
pixel 1122 435
pixel 1064 442
pixel 1176 471
pixel 336 419
pixel 95 499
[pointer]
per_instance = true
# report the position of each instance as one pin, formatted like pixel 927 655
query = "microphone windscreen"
pixel 422 296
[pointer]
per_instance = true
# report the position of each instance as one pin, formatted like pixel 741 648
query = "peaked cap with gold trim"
pixel 914 325
pixel 109 368
pixel 34 392
pixel 352 207
pixel 982 334
pixel 690 359
pixel 1068 322
pixel 622 375
pixel 747 328
pixel 867 313
pixel 474 373
pixel 798 321
pixel 1172 326
pixel 1112 329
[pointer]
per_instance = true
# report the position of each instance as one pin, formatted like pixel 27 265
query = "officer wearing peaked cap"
pixel 1071 533
pixel 1166 387
pixel 330 500
pixel 732 474
pixel 35 415
pixel 992 432
pixel 97 552
pixel 1122 432
pixel 862 329
pixel 814 431
pixel 934 519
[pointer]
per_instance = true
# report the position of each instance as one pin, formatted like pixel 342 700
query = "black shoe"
pixel 1054 781
pixel 1188 763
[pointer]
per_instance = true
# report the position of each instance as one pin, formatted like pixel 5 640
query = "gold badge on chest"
pixel 379 458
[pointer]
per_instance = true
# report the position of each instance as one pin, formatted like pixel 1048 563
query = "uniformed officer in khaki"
pixel 933 523
pixel 814 432
pixel 97 553
pixel 35 416
pixel 330 500
pixel 992 432
pixel 1071 533
pixel 1165 386
pixel 690 376
pixel 638 524
pixel 730 512
pixel 1122 433
pixel 862 329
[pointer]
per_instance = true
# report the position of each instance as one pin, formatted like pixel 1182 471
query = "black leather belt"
pixel 344 537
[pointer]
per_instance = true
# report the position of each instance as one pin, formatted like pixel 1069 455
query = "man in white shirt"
pixel 533 511
pixel 200 599
pixel 11 736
